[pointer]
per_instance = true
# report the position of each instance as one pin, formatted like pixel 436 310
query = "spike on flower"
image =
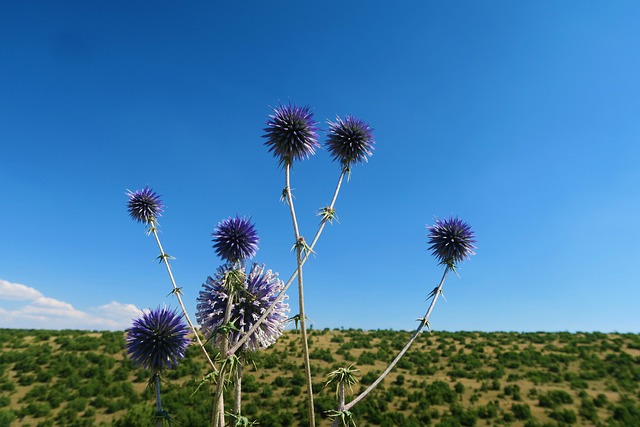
pixel 260 288
pixel 291 133
pixel 235 239
pixel 144 205
pixel 349 141
pixel 157 340
pixel 451 241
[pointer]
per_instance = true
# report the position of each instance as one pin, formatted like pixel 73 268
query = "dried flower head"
pixel 144 205
pixel 350 141
pixel 451 241
pixel 291 133
pixel 235 239
pixel 257 293
pixel 157 340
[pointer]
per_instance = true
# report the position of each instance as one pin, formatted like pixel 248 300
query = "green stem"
pixel 423 323
pixel 303 323
pixel 281 295
pixel 176 291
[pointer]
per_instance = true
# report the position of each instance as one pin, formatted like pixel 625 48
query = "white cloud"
pixel 118 312
pixel 16 291
pixel 41 312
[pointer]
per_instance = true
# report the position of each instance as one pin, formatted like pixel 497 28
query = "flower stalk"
pixel 303 323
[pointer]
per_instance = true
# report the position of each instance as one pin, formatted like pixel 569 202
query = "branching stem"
pixel 281 295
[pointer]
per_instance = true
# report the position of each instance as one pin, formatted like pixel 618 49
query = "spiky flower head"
pixel 291 133
pixel 257 293
pixel 235 239
pixel 157 340
pixel 451 241
pixel 350 141
pixel 144 205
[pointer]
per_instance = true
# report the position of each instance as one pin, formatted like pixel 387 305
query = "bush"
pixel 566 416
pixel 521 411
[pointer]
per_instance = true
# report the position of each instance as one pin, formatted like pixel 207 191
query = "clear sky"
pixel 520 117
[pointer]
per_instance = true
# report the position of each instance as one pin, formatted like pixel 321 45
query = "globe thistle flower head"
pixel 257 294
pixel 451 241
pixel 350 141
pixel 235 239
pixel 157 340
pixel 144 205
pixel 291 133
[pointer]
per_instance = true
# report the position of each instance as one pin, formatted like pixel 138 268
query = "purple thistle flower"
pixel 144 205
pixel 291 133
pixel 451 241
pixel 350 141
pixel 235 239
pixel 257 293
pixel 157 340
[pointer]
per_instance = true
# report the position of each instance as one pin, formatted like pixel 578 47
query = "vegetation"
pixel 75 378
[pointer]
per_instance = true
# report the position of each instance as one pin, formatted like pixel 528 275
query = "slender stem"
pixel 176 291
pixel 303 323
pixel 423 323
pixel 281 295
pixel 158 401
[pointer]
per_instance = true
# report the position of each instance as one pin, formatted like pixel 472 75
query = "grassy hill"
pixel 74 378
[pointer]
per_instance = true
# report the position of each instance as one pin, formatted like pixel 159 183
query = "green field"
pixel 74 378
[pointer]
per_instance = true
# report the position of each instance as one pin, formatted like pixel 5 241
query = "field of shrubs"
pixel 76 378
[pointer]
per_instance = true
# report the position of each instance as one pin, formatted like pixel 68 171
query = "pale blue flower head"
pixel 258 291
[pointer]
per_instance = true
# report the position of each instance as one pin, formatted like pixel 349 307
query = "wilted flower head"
pixel 235 239
pixel 144 205
pixel 451 240
pixel 157 340
pixel 291 133
pixel 257 293
pixel 350 141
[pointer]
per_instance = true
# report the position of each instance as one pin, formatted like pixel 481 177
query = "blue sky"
pixel 520 117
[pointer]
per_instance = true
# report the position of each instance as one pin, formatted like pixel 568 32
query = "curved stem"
pixel 281 295
pixel 303 323
pixel 423 323
pixel 176 291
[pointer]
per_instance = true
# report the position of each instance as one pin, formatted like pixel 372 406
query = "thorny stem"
pixel 218 410
pixel 176 291
pixel 281 295
pixel 303 323
pixel 423 323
